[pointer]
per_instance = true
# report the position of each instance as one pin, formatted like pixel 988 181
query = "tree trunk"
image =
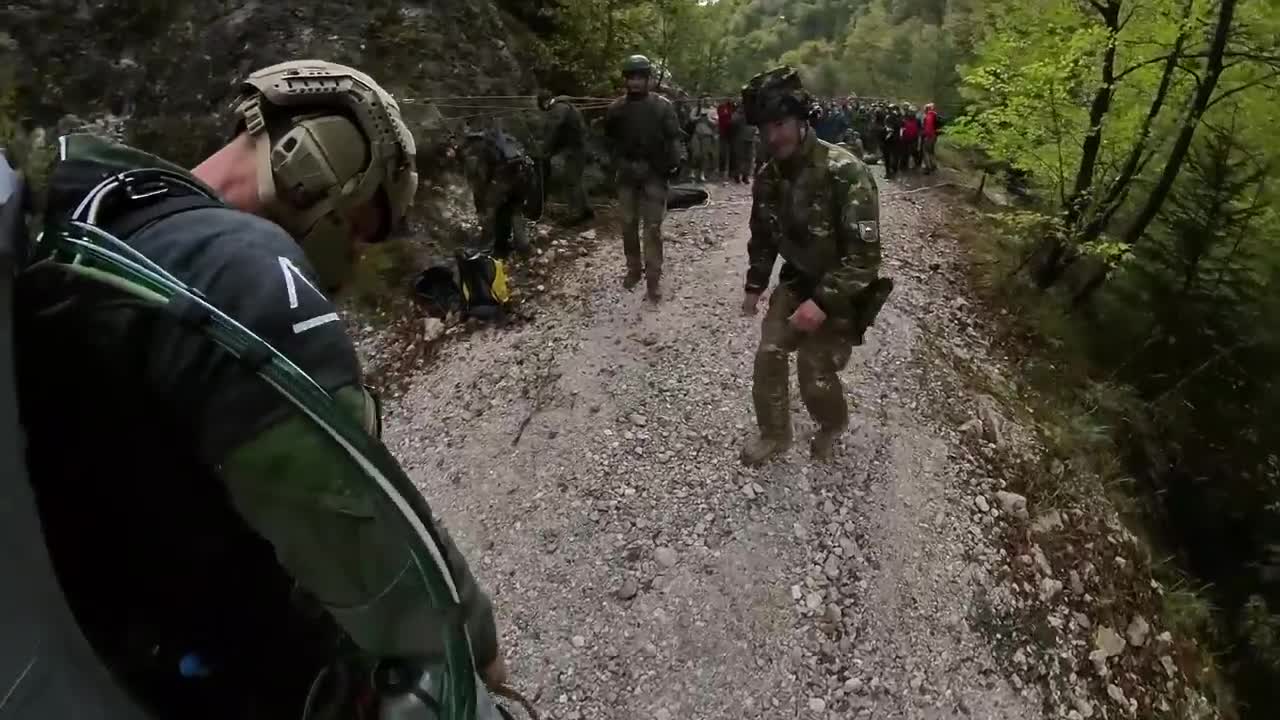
pixel 1204 93
pixel 1088 288
pixel 1057 256
pixel 1097 114
pixel 608 34
pixel 1118 189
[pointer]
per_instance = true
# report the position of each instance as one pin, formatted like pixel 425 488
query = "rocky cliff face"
pixel 162 72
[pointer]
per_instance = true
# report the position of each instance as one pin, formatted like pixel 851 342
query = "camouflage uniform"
pixel 744 153
pixel 704 146
pixel 498 172
pixel 891 143
pixel 762 153
pixel 744 143
pixel 644 136
pixel 565 134
pixel 820 211
pixel 852 142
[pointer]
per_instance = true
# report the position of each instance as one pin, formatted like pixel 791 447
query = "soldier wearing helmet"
pixel 817 206
pixel 644 137
pixel 564 133
pixel 185 439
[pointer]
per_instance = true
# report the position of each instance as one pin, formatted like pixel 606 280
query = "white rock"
pixel 1108 642
pixel 1049 588
pixel 1013 504
pixel 1041 560
pixel 981 503
pixel 1077 585
pixel 665 556
pixel 817 704
pixel 1138 631
pixel 432 329
pixel 579 641
pixel 1117 694
pixel 1048 522
pixel 992 423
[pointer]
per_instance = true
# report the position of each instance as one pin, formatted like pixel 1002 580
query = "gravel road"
pixel 587 464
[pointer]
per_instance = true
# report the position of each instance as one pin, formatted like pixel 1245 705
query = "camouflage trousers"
pixel 703 158
pixel 744 157
pixel 643 199
pixel 820 356
pixel 500 209
pixel 762 154
pixel 575 163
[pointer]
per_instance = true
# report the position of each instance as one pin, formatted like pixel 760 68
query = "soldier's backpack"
pixel 510 164
pixel 483 281
pixel 475 287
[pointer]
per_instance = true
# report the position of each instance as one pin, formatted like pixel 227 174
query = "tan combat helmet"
pixel 328 139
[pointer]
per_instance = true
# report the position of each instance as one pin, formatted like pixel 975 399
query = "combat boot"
pixel 822 444
pixel 761 448
pixel 652 289
pixel 632 279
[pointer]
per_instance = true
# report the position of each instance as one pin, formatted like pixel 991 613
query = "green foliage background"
pixel 1169 330
pixel 906 49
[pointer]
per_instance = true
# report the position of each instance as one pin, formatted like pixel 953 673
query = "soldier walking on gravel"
pixel 817 206
pixel 644 137
pixel 565 133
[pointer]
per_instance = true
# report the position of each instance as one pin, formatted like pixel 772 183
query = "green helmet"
pixel 637 64
pixel 775 94
pixel 328 138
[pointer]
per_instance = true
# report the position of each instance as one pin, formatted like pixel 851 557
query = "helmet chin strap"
pixel 267 196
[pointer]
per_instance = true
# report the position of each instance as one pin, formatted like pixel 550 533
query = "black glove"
pixel 672 172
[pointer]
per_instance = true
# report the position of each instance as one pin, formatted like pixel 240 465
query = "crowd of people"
pixel 720 143
pixel 903 136
pixel 714 141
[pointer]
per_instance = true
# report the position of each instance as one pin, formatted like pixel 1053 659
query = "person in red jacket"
pixel 724 118
pixel 929 139
pixel 910 139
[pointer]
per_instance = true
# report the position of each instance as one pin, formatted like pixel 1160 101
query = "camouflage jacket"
pixel 643 132
pixel 820 210
pixel 563 129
